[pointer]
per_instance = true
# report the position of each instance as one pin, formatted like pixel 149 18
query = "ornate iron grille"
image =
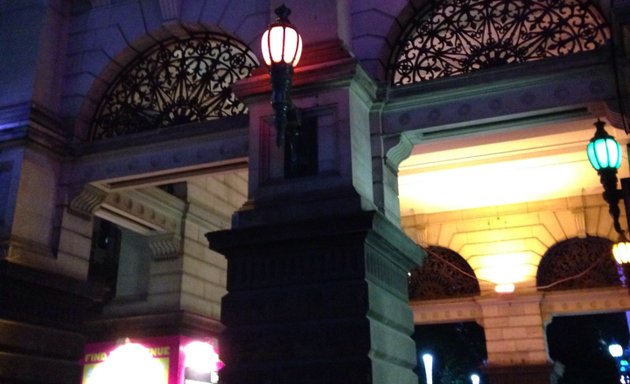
pixel 460 36
pixel 444 274
pixel 578 263
pixel 175 82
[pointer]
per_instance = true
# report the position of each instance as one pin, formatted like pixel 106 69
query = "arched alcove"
pixel 174 82
pixel 578 263
pixel 456 37
pixel 443 274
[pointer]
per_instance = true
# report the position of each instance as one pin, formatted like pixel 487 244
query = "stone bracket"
pixel 165 246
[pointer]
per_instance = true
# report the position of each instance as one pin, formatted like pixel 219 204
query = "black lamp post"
pixel 281 48
pixel 604 154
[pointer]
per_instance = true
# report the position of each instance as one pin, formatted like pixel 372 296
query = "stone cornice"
pixel 29 121
pixel 149 325
pixel 323 65
pixel 151 212
pixel 545 88
pixel 190 155
pixel 446 311
pixel 574 302
pixel 556 303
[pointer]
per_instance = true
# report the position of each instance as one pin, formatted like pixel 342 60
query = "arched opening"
pixel 458 351
pixel 175 82
pixel 579 345
pixel 457 37
pixel 444 274
pixel 578 263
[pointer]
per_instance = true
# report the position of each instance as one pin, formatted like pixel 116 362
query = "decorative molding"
pixel 578 264
pixel 141 212
pixel 150 159
pixel 442 276
pixel 580 302
pixel 24 251
pixel 580 222
pixel 453 38
pixel 88 201
pixel 150 212
pixel 165 246
pixel 542 91
pixel 397 148
pixel 446 311
pixel 173 83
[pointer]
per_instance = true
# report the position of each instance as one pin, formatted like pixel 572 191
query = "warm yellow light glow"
pixel 504 288
pixel 497 168
pixel 202 357
pixel 493 184
pixel 130 363
pixel 505 268
pixel 621 252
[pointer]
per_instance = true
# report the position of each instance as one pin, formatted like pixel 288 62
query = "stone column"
pixel 315 301
pixel 317 275
pixel 515 340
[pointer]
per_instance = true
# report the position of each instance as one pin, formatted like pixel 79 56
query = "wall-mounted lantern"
pixel 281 49
pixel 604 154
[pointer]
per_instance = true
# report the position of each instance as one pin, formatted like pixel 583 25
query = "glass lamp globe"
pixel 281 43
pixel 602 150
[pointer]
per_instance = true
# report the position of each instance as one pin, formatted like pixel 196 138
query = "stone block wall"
pixel 212 201
pixel 514 330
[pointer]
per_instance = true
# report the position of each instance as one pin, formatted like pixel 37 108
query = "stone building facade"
pixel 142 193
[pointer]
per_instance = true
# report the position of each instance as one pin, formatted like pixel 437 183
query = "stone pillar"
pixel 41 308
pixel 322 300
pixel 41 317
pixel 317 276
pixel 515 340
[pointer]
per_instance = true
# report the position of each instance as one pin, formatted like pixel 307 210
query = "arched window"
pixel 460 36
pixel 175 82
pixel 578 263
pixel 443 274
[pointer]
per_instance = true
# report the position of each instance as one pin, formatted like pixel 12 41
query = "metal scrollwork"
pixel 577 264
pixel 175 82
pixel 444 274
pixel 460 36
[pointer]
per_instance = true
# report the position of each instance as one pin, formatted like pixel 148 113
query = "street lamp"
pixel 604 154
pixel 623 367
pixel 475 379
pixel 427 359
pixel 281 49
pixel 615 350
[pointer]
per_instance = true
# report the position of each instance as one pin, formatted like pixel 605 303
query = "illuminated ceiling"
pixel 496 168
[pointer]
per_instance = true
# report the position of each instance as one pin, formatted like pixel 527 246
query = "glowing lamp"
pixel 603 151
pixel 129 363
pixel 604 154
pixel 281 43
pixel 615 350
pixel 281 46
pixel 475 379
pixel 621 252
pixel 427 359
pixel 201 357
pixel 504 288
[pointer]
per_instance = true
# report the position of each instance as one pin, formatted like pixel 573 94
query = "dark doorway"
pixel 458 350
pixel 580 344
